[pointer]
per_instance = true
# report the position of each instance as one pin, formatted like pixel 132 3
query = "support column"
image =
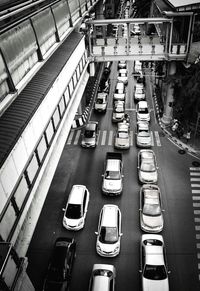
pixel 167 115
pixel 99 10
pixel 92 69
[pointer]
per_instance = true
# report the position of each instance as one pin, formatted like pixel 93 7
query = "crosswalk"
pixel 106 138
pixel 195 187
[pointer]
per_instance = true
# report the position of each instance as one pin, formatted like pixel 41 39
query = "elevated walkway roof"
pixel 18 115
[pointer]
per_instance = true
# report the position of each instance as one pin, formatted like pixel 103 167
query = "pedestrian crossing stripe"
pixel 106 137
pixel 195 189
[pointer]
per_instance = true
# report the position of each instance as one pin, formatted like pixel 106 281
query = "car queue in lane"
pixel 109 228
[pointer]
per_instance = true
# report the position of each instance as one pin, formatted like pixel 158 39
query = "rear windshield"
pixel 108 235
pixel 73 211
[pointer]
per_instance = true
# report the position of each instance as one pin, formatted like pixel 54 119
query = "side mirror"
pixel 169 272
pixel 96 232
pixel 122 176
pixel 63 209
pixel 121 233
pixel 102 175
pixel 140 209
pixel 140 271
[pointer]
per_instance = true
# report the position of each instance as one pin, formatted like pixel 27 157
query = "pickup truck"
pixel 113 174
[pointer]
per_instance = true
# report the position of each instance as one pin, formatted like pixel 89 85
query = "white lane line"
pixel 194 179
pixel 196 191
pixel 195 197
pixel 195 169
pixel 110 138
pixel 196 212
pixel 194 174
pixel 198 257
pixel 69 140
pixel 197 227
pixel 198 245
pixel 103 141
pixel 199 268
pixel 198 236
pixel 196 204
pixel 157 138
pixel 196 219
pixel 131 138
pixel 195 185
pixel 152 140
pixel 77 137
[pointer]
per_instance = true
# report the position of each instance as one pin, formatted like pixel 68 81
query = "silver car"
pixel 102 278
pixel 151 212
pixel 122 136
pixel 90 134
pixel 147 166
pixel 118 111
pixel 153 263
pixel 143 135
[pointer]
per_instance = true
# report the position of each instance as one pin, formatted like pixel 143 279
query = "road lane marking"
pixel 152 139
pixel 110 138
pixel 197 227
pixel 197 236
pixel 195 169
pixel 103 141
pixel 77 136
pixel 196 197
pixel 157 138
pixel 194 179
pixel 196 204
pixel 195 185
pixel 196 219
pixel 131 138
pixel 194 174
pixel 198 245
pixel 197 212
pixel 196 191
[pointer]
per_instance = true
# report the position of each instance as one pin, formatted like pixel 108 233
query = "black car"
pixel 60 266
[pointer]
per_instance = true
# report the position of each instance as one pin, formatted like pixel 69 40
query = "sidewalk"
pixel 192 146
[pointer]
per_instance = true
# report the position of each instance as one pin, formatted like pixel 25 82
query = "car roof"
pixel 77 194
pixel 123 126
pixel 142 104
pixel 146 154
pixel 112 165
pixel 143 125
pixel 109 215
pixel 91 125
pixel 154 255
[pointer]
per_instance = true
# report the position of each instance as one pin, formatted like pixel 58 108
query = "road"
pixel 85 166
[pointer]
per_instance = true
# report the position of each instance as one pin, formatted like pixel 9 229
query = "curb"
pixel 175 140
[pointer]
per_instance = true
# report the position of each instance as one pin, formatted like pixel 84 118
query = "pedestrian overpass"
pixel 166 38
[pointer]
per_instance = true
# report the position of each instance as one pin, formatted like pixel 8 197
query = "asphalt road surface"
pixel 85 166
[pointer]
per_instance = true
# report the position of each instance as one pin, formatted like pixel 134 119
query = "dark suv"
pixel 60 266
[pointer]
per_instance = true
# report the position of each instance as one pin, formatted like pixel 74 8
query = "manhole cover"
pixel 196 164
pixel 182 152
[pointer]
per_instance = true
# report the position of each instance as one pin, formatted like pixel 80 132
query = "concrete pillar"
pixel 92 69
pixel 167 115
pixel 99 10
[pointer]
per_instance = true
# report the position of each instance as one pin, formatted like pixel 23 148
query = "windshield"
pixel 73 211
pixel 108 235
pixel 151 209
pixel 89 134
pixel 143 110
pixel 153 272
pixel 112 175
pixel 148 166
pixel 99 101
pixel 122 134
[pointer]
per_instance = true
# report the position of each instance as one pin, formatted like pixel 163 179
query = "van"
pixel 109 231
pixel 76 208
pixel 102 278
pixel 119 93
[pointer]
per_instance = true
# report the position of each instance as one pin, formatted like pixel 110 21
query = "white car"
pixel 151 212
pixel 142 111
pixel 109 231
pixel 153 263
pixel 102 278
pixel 122 65
pixel 147 166
pixel 143 135
pixel 139 94
pixel 138 67
pixel 118 111
pixel 123 76
pixel 122 136
pixel 101 102
pixel 76 208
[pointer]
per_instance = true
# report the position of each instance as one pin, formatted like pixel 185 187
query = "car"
pixel 147 166
pixel 61 264
pixel 122 65
pixel 142 111
pixel 101 102
pixel 151 212
pixel 122 136
pixel 76 208
pixel 143 135
pixel 138 67
pixel 119 94
pixel 90 135
pixel 139 94
pixel 153 263
pixel 112 183
pixel 109 231
pixel 102 278
pixel 118 111
pixel 122 76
